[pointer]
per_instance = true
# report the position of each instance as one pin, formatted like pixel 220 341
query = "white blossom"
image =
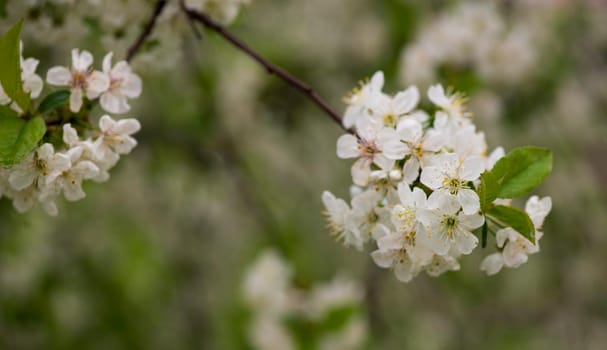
pixel 451 176
pixel 80 78
pixel 124 85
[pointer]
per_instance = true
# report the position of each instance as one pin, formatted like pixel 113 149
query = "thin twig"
pixel 147 31
pixel 269 67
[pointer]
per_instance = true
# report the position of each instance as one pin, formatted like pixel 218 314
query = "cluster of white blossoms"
pixel 272 299
pixel 84 154
pixel 415 178
pixel 515 248
pixel 474 35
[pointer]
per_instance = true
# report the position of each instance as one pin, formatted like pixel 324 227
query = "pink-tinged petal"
pixel 410 130
pixel 390 144
pixel 513 255
pixel 390 241
pixel 471 222
pixel 83 61
pixel 383 259
pixel 449 164
pixel 411 170
pixel 121 70
pixel 20 179
pixel 405 101
pixel 405 195
pixel 97 83
pixel 377 81
pixel 437 243
pixel 383 162
pixel 428 217
pixel 361 170
pixel 436 94
pixel 131 86
pixel 403 271
pixel 76 100
pixel 106 123
pixel 469 201
pixel 471 168
pixel 449 204
pixel 352 115
pixel 347 147
pixel 432 177
pixel 433 141
pixel 59 76
pixel 127 126
pixel 502 236
pixel 419 197
pixel 107 63
pixel 465 241
pixel 113 102
pixel 492 264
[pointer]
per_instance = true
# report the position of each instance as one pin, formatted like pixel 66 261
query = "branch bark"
pixel 271 68
pixel 147 30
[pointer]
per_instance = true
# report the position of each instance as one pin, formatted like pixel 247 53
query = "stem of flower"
pixel 147 31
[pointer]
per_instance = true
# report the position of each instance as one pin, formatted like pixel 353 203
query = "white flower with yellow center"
pixel 447 227
pixel 81 78
pixel 375 144
pixel 421 145
pixel 452 103
pixel 359 99
pixel 390 110
pixel 450 176
pixel 337 213
pixel 124 85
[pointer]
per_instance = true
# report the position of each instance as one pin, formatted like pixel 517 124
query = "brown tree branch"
pixel 147 30
pixel 271 68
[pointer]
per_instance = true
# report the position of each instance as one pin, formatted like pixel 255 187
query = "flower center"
pixel 453 185
pixel 390 120
pixel 367 149
pixel 450 223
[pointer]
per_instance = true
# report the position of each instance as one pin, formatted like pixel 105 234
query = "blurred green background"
pixel 231 161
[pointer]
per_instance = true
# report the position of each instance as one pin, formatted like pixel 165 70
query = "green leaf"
pixel 10 66
pixel 488 190
pixel 54 100
pixel 18 138
pixel 521 170
pixel 7 111
pixel 515 218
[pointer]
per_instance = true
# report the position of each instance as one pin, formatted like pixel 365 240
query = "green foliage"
pixel 10 66
pixel 488 190
pixel 515 218
pixel 54 100
pixel 18 137
pixel 521 170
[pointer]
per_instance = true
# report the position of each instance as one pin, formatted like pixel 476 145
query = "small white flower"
pixel 446 228
pixel 450 176
pixel 377 145
pixel 389 110
pixel 124 85
pixel 421 145
pixel 441 264
pixel 43 166
pixel 359 100
pixel 452 103
pixel 32 83
pixel 338 212
pixel 367 217
pixel 115 136
pixel 517 248
pixel 80 78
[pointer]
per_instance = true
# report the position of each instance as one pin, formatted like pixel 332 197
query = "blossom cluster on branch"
pixel 51 147
pixel 425 188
